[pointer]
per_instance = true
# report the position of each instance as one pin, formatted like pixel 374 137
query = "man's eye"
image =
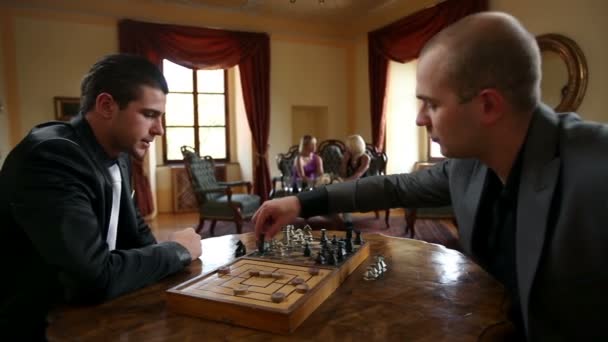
pixel 149 114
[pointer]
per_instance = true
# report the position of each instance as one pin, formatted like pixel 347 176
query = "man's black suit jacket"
pixel 55 204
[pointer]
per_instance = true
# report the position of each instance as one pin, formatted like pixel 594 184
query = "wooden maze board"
pixel 211 296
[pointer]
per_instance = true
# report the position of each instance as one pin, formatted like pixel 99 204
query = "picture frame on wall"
pixel 66 107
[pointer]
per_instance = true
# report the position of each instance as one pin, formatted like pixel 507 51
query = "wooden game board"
pixel 211 296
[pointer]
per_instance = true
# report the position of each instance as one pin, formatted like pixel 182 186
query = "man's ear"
pixel 493 105
pixel 105 105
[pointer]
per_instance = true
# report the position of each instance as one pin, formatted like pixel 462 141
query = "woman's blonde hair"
pixel 355 144
pixel 305 140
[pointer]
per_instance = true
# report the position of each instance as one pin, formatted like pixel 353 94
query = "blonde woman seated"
pixel 308 165
pixel 354 165
pixel 355 161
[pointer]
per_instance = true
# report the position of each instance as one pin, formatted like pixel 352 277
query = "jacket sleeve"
pixel 58 206
pixel 424 188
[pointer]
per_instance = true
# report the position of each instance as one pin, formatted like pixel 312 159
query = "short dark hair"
pixel 120 75
pixel 491 50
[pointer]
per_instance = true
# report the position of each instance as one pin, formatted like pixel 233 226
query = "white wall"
pixel 362 103
pixel 583 21
pixel 305 74
pixel 53 56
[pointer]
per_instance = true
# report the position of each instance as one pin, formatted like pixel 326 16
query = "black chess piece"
pixel 341 250
pixel 349 233
pixel 307 250
pixel 240 249
pixel 324 235
pixel 334 240
pixel 349 246
pixel 358 239
pixel 332 260
pixel 261 246
pixel 320 260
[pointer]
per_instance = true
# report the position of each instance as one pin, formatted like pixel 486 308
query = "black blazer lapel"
pixel 473 200
pixel 539 176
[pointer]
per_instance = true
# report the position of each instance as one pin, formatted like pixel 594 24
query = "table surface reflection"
pixel 429 293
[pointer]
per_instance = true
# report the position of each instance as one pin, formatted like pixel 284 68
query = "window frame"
pixel 194 93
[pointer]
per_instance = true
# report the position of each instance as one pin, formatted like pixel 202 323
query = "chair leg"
pixel 410 222
pixel 201 226
pixel 239 227
pixel 387 216
pixel 212 229
pixel 377 214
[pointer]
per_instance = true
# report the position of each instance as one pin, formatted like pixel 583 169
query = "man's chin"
pixel 138 154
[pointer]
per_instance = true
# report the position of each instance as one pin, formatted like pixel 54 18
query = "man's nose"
pixel 422 119
pixel 157 128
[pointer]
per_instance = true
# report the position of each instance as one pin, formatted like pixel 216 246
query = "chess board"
pixel 296 256
pixel 212 296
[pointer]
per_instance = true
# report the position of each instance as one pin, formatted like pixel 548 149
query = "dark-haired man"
pixel 71 231
pixel 527 186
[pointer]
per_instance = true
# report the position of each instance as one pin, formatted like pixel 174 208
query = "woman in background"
pixel 307 165
pixel 355 161
pixel 354 166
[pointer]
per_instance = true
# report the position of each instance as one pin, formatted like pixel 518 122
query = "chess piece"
pixel 380 262
pixel 240 249
pixel 323 235
pixel 308 233
pixel 349 246
pixel 358 240
pixel 320 259
pixel 307 250
pixel 370 274
pixel 261 245
pixel 331 259
pixel 334 240
pixel 349 233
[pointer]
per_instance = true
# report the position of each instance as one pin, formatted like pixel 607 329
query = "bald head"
pixel 490 50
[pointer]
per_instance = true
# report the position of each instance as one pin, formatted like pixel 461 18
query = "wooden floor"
pixel 166 223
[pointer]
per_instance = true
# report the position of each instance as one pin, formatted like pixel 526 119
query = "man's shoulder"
pixel 578 132
pixel 47 139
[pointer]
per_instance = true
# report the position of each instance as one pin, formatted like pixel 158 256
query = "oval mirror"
pixel 564 70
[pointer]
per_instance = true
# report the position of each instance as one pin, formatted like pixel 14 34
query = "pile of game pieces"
pixel 375 270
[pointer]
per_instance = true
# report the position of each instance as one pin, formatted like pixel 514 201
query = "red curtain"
pixel 204 48
pixel 402 41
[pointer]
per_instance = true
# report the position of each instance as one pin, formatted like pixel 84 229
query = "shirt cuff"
pixel 181 252
pixel 313 203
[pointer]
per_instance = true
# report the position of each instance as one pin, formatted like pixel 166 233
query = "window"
pixel 434 153
pixel 197 113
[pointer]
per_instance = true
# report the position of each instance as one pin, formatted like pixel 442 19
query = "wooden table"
pixel 430 293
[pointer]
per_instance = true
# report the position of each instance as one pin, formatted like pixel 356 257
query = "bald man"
pixel 527 185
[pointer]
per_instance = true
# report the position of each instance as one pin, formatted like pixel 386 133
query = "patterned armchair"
pixel 331 152
pixel 216 202
pixel 377 167
pixel 285 165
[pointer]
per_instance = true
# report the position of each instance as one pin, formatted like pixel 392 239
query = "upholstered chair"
pixel 216 200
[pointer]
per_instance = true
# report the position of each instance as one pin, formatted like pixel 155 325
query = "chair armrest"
pixel 212 190
pixel 237 183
